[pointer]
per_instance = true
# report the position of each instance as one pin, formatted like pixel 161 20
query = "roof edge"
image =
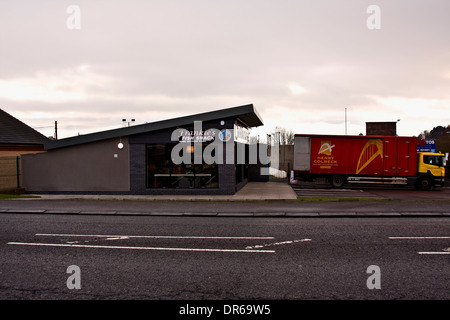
pixel 248 109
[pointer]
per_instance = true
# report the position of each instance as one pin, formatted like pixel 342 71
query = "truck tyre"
pixel 337 181
pixel 425 183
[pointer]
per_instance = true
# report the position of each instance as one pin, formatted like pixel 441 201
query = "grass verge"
pixel 15 196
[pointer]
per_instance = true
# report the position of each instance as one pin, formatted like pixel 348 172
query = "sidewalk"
pixel 251 191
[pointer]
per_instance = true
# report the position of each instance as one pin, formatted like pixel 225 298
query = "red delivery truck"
pixel 367 159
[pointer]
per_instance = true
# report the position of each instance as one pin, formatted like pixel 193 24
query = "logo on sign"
pixel 326 148
pixel 225 135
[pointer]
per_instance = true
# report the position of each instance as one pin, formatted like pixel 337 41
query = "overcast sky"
pixel 300 63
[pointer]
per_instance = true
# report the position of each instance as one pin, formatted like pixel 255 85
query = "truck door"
pixel 302 154
pixel 399 156
pixel 389 156
pixel 406 157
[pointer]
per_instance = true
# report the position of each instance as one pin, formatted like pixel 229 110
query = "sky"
pixel 304 65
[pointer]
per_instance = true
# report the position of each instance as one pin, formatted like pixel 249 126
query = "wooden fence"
pixel 10 174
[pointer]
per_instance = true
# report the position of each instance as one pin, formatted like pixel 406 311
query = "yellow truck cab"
pixel 430 170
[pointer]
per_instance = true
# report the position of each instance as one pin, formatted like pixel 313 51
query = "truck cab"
pixel 430 170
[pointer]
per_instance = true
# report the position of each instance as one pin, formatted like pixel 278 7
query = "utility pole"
pixel 56 130
pixel 345 121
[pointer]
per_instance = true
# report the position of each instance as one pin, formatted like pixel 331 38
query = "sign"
pixel 429 146
pixel 197 135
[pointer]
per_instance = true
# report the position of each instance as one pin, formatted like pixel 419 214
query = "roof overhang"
pixel 247 115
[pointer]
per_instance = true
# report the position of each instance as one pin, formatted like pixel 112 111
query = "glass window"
pixel 434 160
pixel 163 173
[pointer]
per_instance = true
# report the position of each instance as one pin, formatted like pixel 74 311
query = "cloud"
pixel 74 84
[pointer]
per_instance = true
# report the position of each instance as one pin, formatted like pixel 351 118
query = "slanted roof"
pixel 15 132
pixel 247 114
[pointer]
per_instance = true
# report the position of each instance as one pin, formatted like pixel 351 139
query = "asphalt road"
pixel 223 258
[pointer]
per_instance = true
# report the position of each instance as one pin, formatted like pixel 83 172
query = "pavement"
pixel 252 191
pixel 269 199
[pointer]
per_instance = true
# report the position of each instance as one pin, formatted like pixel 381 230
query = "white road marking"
pixel 117 237
pixel 138 248
pixel 276 244
pixel 417 238
pixel 443 252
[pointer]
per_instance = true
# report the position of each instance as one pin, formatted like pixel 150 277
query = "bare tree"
pixel 287 136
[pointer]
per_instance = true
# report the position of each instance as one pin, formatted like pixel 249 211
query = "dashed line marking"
pixel 276 244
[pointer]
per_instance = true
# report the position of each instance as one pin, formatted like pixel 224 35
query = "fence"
pixel 10 173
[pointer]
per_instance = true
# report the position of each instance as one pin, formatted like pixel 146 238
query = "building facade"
pixel 207 153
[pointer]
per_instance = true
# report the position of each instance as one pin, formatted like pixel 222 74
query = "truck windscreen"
pixel 434 160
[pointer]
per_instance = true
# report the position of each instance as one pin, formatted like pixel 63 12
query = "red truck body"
pixel 356 155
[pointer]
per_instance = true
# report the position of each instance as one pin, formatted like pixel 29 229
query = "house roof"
pixel 247 114
pixel 15 132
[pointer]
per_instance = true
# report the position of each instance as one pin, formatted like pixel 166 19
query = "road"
pixel 310 190
pixel 217 258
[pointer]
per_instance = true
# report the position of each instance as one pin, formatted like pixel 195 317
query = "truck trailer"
pixel 367 159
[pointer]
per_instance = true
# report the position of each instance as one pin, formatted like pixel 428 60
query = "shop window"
pixel 163 173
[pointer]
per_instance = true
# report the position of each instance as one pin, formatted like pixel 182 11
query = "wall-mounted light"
pixel 120 144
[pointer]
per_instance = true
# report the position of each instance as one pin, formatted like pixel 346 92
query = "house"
pixel 16 139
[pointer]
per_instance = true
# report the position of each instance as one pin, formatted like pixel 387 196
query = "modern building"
pixel 205 153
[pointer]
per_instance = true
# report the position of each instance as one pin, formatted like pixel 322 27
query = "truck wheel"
pixel 337 181
pixel 425 183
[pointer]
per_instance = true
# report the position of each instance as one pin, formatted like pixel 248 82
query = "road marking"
pixel 117 237
pixel 417 238
pixel 138 248
pixel 443 252
pixel 276 244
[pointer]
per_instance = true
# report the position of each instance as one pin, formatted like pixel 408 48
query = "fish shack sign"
pixel 199 136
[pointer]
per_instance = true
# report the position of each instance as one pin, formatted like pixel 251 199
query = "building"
pixel 16 139
pixel 381 128
pixel 145 159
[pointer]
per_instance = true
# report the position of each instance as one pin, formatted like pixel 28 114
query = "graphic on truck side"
pixel 372 149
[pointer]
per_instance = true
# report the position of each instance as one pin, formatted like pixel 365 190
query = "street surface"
pixel 216 258
pixel 308 190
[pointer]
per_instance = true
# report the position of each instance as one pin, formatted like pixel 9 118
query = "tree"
pixel 287 136
pixel 441 135
pixel 435 133
pixel 443 144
